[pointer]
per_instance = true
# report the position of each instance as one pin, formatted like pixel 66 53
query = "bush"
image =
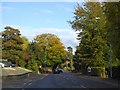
pixel 22 63
pixel 98 71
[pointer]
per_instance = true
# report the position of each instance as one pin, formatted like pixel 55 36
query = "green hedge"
pixel 98 71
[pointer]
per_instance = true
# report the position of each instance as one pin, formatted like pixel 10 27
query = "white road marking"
pixel 42 77
pixel 83 86
pixel 29 84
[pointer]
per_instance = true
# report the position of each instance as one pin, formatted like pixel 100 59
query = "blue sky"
pixel 38 14
pixel 34 18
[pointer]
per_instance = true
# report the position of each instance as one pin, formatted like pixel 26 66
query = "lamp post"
pixel 110 61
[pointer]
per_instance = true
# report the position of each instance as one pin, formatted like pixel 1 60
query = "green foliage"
pixel 98 71
pixel 11 43
pixel 22 63
pixel 52 50
pixel 90 21
pixel 25 43
pixel 70 56
pixel 32 64
pixel 31 55
pixel 112 13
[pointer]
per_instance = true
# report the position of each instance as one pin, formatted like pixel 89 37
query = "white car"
pixel 5 64
pixel 1 64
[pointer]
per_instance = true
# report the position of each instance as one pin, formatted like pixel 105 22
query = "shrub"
pixel 22 63
pixel 98 71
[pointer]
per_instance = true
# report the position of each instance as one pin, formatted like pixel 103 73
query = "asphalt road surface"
pixel 67 80
pixel 63 80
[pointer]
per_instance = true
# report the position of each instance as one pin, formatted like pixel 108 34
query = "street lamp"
pixel 110 61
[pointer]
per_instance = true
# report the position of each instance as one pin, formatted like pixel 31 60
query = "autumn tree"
pixel 52 48
pixel 11 43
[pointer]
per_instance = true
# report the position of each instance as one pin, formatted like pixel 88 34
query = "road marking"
pixel 24 83
pixel 42 77
pixel 83 86
pixel 29 84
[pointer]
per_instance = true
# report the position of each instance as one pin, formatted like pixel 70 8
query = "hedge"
pixel 98 71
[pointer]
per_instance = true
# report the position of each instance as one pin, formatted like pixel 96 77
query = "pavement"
pixel 110 81
pixel 9 71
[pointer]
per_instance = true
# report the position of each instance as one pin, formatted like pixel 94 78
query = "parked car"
pixel 5 64
pixel 58 70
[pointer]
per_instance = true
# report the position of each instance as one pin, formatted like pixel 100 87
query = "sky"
pixel 35 18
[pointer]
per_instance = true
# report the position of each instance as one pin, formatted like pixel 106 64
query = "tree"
pixel 112 13
pixel 32 63
pixel 12 42
pixel 25 50
pixel 22 63
pixel 52 48
pixel 25 43
pixel 70 56
pixel 90 21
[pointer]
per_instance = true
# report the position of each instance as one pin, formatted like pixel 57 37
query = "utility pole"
pixel 110 61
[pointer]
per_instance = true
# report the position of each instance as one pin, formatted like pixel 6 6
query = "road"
pixel 63 80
